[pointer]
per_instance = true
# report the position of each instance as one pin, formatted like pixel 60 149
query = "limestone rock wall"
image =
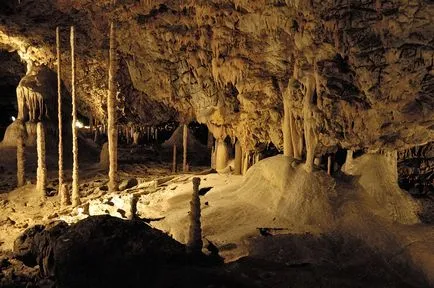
pixel 359 74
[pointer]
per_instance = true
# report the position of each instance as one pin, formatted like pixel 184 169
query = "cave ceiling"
pixel 229 64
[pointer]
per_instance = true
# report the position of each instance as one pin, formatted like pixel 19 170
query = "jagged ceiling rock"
pixel 368 65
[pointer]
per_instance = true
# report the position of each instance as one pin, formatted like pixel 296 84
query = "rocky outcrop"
pixel 103 251
pixel 416 169
pixel 357 74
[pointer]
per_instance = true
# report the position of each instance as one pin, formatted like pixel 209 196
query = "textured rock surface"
pixel 366 67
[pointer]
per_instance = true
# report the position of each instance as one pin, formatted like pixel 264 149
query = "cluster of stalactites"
pixel 31 106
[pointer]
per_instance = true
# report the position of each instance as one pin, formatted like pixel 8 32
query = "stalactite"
pixel 257 157
pixel 21 176
pixel 174 159
pixel 194 244
pixel 59 110
pixel 111 111
pixel 221 155
pixel 75 192
pixel 238 159
pixel 41 173
pixel 329 165
pixel 185 147
pixel 309 129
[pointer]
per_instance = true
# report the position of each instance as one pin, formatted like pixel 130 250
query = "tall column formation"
pixel 221 154
pixel 246 162
pixel 309 129
pixel 213 155
pixel 286 126
pixel 111 111
pixel 59 110
pixel 238 158
pixel 75 192
pixel 41 173
pixel 21 176
pixel 194 244
pixel 185 147
pixel 297 139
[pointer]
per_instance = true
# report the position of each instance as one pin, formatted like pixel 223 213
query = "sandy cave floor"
pixel 336 236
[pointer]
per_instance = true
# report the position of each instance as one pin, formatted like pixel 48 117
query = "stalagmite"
pixel 111 111
pixel 246 162
pixel 174 159
pixel 329 165
pixel 156 135
pixel 59 111
pixel 348 160
pixel 213 155
pixel 20 155
pixel 297 139
pixel 184 145
pixel 238 159
pixel 194 244
pixel 221 154
pixel 75 192
pixel 286 127
pixel 309 130
pixel 136 137
pixel 41 173
pixel 65 200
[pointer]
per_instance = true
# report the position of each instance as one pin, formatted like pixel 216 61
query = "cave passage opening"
pixel 12 69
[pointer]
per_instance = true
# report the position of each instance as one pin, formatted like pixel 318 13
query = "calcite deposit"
pixel 367 66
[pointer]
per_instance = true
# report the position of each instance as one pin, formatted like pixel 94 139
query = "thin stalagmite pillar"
pixel 286 127
pixel 194 244
pixel 59 112
pixel 21 176
pixel 329 165
pixel 41 173
pixel 221 155
pixel 184 145
pixel 309 130
pixel 246 162
pixel 111 111
pixel 238 158
pixel 213 154
pixel 156 135
pixel 75 192
pixel 174 159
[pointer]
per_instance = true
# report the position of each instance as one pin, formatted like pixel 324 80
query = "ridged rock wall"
pixel 357 74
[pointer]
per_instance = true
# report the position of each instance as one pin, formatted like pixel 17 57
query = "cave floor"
pixel 257 253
